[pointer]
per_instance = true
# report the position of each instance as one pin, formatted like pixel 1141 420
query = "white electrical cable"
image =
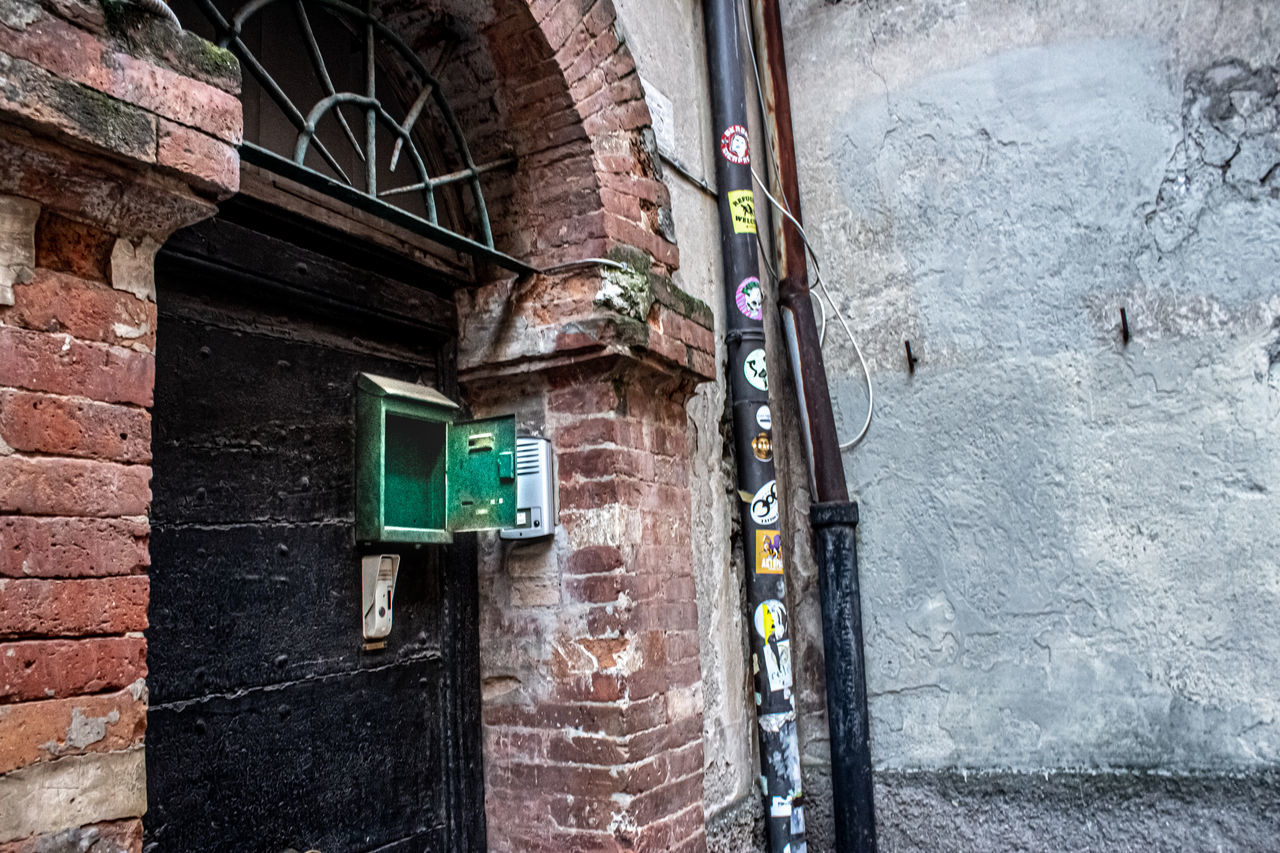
pixel 819 286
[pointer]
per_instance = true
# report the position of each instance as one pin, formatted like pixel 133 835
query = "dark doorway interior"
pixel 271 727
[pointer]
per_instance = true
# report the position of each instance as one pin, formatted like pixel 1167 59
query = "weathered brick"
pixel 592 432
pixel 668 347
pixel 593 57
pixel 72 792
pixel 61 364
pixel 582 399
pixel 703 364
pixel 85 58
pixel 31 732
pixel 35 607
pixel 559 22
pixel 52 669
pixel 117 836
pixel 597 559
pixel 17 243
pixel 54 302
pixel 72 547
pixel 678 832
pixel 600 462
pixel 34 97
pixel 578 748
pixel 57 486
pixel 208 163
pixel 662 801
pixel 72 426
pixel 67 245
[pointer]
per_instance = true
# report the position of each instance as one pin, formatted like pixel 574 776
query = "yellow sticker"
pixel 768 552
pixel 742 209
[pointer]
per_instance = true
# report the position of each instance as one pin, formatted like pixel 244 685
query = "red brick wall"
pixel 111 139
pixel 593 712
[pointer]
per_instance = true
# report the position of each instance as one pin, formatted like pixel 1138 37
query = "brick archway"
pixel 121 130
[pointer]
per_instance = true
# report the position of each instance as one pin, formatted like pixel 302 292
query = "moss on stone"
pixel 151 37
pixel 626 291
pixel 113 124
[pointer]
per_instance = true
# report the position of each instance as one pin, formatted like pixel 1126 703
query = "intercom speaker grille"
pixel 527 458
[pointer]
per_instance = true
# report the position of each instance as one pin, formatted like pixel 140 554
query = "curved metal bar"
pixel 410 119
pixel 374 30
pixel 322 71
pixel 308 131
pixel 376 109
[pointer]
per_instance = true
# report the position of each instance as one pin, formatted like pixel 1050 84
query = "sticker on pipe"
pixel 764 504
pixel 733 145
pixel 742 211
pixel 764 418
pixel 755 370
pixel 768 552
pixel 762 447
pixel 771 624
pixel 750 299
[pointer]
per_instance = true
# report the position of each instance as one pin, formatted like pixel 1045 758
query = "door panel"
pixel 271 726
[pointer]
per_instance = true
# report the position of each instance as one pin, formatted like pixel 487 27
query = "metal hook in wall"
pixel 911 359
pixel 1124 327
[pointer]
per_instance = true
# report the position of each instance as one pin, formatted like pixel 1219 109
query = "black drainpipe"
pixel 833 516
pixel 747 386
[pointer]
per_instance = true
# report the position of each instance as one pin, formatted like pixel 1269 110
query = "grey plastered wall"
pixel 1070 546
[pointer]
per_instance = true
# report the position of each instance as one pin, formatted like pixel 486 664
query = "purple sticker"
pixel 749 298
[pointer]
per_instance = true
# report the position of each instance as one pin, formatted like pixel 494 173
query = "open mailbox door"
pixel 480 476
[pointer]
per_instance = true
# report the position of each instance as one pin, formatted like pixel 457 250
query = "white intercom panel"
pixel 378 574
pixel 535 490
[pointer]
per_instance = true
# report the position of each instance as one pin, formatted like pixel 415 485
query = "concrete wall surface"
pixel 1068 544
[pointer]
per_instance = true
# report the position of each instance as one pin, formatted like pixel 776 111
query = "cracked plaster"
pixel 1067 544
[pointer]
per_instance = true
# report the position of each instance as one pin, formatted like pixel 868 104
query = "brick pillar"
pixel 589 644
pixel 111 138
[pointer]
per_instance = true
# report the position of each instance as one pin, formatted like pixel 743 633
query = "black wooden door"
pixel 271 727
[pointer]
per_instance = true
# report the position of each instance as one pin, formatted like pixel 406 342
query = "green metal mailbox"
pixel 421 474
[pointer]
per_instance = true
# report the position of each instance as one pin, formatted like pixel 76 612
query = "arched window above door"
pixel 336 100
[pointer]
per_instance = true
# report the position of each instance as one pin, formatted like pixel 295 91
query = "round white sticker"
pixel 764 417
pixel 764 504
pixel 755 369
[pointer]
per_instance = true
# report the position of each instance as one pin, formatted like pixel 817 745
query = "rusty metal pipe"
pixel 826 467
pixel 833 515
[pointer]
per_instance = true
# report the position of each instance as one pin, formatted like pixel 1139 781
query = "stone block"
pixel 47 485
pixel 35 607
pixel 53 302
pixel 44 423
pixel 17 243
pixel 33 97
pixel 207 163
pixel 32 732
pixel 133 265
pixel 52 669
pixel 72 547
pixel 120 836
pixel 60 364
pixel 72 792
